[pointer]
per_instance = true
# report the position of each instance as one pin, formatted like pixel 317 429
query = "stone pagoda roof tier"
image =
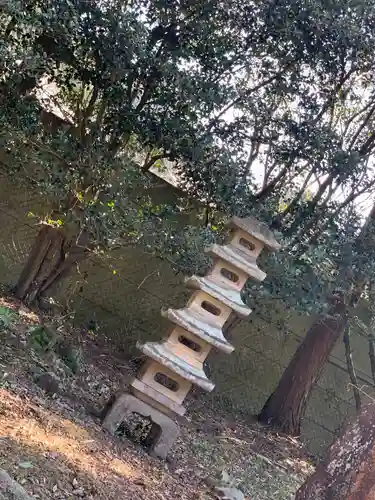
pixel 257 230
pixel 237 258
pixel 217 289
pixel 197 324
pixel 163 355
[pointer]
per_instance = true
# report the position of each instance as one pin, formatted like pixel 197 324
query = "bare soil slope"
pixel 52 443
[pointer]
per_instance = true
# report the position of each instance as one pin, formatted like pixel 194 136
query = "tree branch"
pixel 361 127
pixel 149 161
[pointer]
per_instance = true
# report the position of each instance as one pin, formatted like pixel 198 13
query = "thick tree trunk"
pixel 286 406
pixel 348 471
pixel 51 259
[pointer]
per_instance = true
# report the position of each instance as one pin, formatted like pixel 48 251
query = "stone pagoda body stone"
pixel 176 363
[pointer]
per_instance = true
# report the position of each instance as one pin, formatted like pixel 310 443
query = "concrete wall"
pixel 125 307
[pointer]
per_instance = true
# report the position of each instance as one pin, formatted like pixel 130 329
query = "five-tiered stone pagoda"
pixel 176 363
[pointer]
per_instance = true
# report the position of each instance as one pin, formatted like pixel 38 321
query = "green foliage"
pixel 7 316
pixel 129 87
pixel 42 339
pixel 217 90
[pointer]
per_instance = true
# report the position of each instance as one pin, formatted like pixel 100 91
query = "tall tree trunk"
pixel 52 258
pixel 286 406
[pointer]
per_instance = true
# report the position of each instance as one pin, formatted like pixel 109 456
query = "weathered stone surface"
pixel 164 356
pixel 348 471
pixel 256 229
pixel 10 489
pixel 156 399
pixel 238 259
pixel 225 294
pixel 164 431
pixel 199 326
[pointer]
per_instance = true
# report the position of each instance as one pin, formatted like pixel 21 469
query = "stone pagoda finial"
pixel 176 363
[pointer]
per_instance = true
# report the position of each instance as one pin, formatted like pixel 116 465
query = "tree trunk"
pixel 51 259
pixel 286 406
pixel 348 471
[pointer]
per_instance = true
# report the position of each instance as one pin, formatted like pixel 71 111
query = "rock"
pixel 36 372
pixel 10 489
pixel 60 369
pixel 348 471
pixel 79 492
pixel 229 493
pixel 48 382
pixel 224 487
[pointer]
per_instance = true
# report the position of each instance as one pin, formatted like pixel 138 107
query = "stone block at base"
pixel 164 431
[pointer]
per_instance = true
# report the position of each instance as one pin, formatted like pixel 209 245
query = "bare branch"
pixel 245 95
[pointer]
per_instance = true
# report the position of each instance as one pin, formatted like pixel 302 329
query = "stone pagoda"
pixel 176 363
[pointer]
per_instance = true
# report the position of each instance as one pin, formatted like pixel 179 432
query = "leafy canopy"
pixel 222 90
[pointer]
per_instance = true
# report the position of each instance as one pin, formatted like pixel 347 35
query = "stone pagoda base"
pixel 164 430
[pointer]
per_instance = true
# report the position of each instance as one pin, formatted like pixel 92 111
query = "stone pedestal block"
pixel 164 430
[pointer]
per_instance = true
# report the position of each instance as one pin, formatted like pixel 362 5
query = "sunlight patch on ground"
pixel 58 435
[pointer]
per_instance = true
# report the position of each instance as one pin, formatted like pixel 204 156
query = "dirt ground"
pixel 54 445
